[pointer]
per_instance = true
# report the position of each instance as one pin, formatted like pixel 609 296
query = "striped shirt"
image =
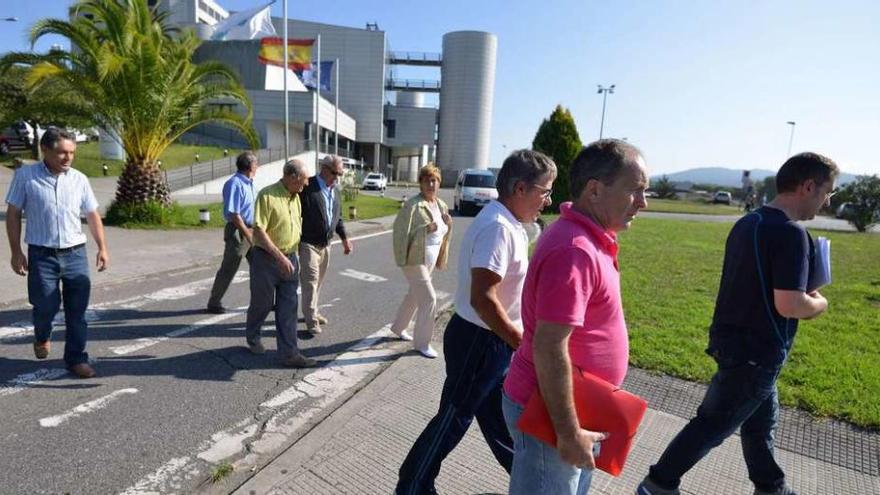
pixel 52 204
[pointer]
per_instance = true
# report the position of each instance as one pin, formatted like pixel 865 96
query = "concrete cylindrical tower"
pixel 410 99
pixel 466 94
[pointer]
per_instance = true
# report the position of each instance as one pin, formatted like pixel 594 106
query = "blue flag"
pixel 309 77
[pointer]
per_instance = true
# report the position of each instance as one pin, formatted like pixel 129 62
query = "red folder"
pixel 600 407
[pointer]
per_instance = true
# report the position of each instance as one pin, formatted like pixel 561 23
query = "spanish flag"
pixel 299 53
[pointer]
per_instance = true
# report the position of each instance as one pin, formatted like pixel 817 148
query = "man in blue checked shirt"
pixel 239 194
pixel 53 197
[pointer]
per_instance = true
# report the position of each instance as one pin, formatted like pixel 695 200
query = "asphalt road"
pixel 177 393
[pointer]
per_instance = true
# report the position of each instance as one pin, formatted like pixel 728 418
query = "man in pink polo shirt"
pixel 573 316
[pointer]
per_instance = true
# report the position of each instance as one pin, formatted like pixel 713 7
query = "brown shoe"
pixel 82 370
pixel 299 361
pixel 41 349
pixel 257 348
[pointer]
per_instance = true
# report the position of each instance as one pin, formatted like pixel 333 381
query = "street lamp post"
pixel 791 137
pixel 604 92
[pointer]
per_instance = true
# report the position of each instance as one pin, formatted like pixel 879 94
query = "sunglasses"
pixel 545 193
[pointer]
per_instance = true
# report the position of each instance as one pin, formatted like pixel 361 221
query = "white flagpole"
pixel 336 111
pixel 286 100
pixel 318 107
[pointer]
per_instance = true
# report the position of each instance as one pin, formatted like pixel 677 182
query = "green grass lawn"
pixel 187 216
pixel 371 207
pixel 690 206
pixel 670 272
pixel 89 162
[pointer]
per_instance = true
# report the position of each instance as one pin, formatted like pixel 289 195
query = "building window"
pixel 391 128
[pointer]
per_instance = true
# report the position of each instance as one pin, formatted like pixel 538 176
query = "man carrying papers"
pixel 573 317
pixel 764 292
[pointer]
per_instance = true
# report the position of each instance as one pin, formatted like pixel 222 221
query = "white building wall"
pixel 413 126
pixel 466 97
pixel 362 72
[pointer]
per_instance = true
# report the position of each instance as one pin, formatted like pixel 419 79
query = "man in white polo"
pixel 486 327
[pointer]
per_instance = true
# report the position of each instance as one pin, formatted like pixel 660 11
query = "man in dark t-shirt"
pixel 763 293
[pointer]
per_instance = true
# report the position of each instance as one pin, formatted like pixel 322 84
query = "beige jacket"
pixel 411 232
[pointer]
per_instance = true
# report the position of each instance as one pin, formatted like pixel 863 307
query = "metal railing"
pixel 415 58
pixel 197 173
pixel 425 85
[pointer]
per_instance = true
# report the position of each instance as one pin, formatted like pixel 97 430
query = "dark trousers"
pixel 741 395
pixel 271 290
pixel 235 247
pixel 55 277
pixel 476 363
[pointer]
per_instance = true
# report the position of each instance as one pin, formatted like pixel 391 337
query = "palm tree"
pixel 138 81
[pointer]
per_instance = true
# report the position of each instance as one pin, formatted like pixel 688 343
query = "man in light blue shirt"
pixel 53 197
pixel 239 195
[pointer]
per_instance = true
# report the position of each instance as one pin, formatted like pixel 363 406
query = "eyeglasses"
pixel 335 173
pixel 545 192
pixel 832 193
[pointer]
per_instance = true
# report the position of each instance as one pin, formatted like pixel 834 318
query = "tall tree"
pixel 136 76
pixel 664 188
pixel 863 195
pixel 558 138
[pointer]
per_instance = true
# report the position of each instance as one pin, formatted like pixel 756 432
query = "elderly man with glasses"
pixel 321 211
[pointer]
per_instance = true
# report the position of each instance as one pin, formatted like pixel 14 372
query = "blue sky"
pixel 698 83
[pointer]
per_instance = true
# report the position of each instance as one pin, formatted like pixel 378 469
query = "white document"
pixel 820 272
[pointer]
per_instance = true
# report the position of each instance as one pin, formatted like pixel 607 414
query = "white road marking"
pixel 91 406
pixel 28 380
pixel 287 415
pixel 366 236
pixel 98 311
pixel 145 342
pixel 330 304
pixel 366 277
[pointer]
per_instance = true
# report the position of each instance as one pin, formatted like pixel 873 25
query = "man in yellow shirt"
pixel 274 267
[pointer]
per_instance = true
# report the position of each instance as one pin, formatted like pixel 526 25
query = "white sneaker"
pixel 428 352
pixel 406 336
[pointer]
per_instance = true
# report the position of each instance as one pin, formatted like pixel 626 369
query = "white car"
pixel 473 190
pixel 375 180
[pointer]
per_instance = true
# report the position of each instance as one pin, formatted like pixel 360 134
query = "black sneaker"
pixel 215 310
pixel 648 487
pixel 785 490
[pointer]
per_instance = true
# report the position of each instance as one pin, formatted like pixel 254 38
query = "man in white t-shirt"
pixel 487 326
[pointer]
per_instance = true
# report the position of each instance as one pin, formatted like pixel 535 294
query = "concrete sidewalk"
pixel 359 447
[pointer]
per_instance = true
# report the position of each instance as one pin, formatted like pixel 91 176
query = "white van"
pixel 473 190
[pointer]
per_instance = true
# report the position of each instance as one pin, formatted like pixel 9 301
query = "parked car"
pixel 474 188
pixel 10 139
pixel 721 197
pixel 845 210
pixel 5 145
pixel 375 180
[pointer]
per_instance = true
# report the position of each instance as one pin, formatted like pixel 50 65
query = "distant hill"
pixel 729 177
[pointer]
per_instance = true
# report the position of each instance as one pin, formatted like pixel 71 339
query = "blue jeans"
pixel 741 395
pixel 537 467
pixel 56 277
pixel 271 290
pixel 476 364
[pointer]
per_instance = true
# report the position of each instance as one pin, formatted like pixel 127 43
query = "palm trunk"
pixel 141 183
